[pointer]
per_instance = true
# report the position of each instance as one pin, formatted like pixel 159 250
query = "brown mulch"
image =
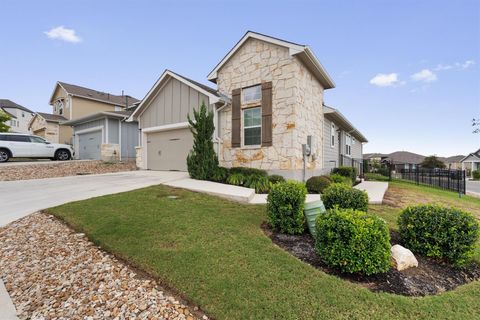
pixel 429 278
pixel 62 169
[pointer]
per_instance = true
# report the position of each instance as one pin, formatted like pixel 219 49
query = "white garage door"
pixel 168 150
pixel 89 145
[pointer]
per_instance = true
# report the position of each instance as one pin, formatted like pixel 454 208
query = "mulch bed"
pixel 429 278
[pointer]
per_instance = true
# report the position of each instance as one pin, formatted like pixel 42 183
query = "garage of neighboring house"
pixel 166 139
pixel 104 136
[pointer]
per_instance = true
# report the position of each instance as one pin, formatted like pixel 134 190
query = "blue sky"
pixel 407 72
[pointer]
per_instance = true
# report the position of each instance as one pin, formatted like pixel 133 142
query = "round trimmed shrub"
pixel 439 232
pixel 276 178
pixel 344 197
pixel 285 204
pixel 353 241
pixel 317 184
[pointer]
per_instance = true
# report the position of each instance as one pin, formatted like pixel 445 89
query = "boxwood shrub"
pixel 439 232
pixel 344 197
pixel 348 172
pixel 353 241
pixel 276 178
pixel 285 204
pixel 317 184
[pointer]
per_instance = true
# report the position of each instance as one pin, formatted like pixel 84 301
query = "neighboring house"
pixel 471 161
pixel 105 136
pixel 343 143
pixel 20 116
pixel 269 103
pixel 47 126
pixel 403 160
pixel 453 162
pixel 73 102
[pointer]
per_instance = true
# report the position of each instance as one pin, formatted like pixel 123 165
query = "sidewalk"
pixel 7 309
pixel 375 190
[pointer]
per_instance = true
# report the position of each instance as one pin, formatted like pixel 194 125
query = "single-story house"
pixel 268 107
pixel 399 160
pixel 472 160
pixel 453 162
pixel 46 125
pixel 104 136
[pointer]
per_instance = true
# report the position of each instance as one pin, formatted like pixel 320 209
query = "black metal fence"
pixel 351 162
pixel 453 180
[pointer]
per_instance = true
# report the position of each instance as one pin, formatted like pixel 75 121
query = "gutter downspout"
pixel 217 138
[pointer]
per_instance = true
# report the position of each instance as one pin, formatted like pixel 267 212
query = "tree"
pixel 4 117
pixel 476 125
pixel 432 162
pixel 202 160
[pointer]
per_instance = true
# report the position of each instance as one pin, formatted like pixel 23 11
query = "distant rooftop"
pixel 98 95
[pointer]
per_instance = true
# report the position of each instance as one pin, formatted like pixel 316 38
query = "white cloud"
pixel 386 80
pixel 457 66
pixel 64 34
pixel 425 75
pixel 467 64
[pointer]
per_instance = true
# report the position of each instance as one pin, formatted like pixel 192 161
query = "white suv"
pixel 18 145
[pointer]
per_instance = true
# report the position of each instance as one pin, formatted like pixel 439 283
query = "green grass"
pixel 215 254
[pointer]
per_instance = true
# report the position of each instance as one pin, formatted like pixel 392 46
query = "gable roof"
pixel 405 157
pixel 5 103
pixel 473 154
pixel 122 114
pixel 303 52
pixel 52 117
pixel 454 159
pixel 8 113
pixel 337 117
pixel 213 94
pixel 91 94
pixel 367 156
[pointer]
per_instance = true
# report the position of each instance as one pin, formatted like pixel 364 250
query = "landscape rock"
pixel 403 258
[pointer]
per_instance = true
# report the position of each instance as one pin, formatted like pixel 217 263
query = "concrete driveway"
pixel 473 187
pixel 23 197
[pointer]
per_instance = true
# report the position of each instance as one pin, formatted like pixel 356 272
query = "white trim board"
pixel 167 127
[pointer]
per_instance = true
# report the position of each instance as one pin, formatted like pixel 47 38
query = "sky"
pixel 407 72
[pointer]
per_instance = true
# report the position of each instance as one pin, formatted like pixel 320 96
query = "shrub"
pixel 384 171
pixel 348 172
pixel 336 178
pixel 353 241
pixel 248 171
pixel 202 161
pixel 285 204
pixel 345 197
pixel 439 232
pixel 275 178
pixel 236 179
pixel 375 177
pixel 476 174
pixel 317 184
pixel 220 175
pixel 260 183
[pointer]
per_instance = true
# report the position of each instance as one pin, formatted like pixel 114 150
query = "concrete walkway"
pixel 7 309
pixel 23 197
pixel 375 190
pixel 262 198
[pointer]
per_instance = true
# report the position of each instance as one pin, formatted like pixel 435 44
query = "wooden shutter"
pixel 236 118
pixel 266 114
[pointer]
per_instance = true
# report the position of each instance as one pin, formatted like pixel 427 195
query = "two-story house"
pixel 19 115
pixel 268 107
pixel 71 102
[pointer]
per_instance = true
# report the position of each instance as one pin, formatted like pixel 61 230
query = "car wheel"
pixel 4 155
pixel 62 155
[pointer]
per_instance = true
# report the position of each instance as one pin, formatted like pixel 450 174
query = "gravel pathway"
pixel 51 272
pixel 30 171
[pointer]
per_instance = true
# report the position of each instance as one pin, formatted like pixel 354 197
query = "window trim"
pixel 348 144
pixel 332 135
pixel 249 127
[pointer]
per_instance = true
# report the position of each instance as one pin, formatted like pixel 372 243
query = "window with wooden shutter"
pixel 236 118
pixel 266 114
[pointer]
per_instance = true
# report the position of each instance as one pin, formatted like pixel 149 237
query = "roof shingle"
pixel 98 95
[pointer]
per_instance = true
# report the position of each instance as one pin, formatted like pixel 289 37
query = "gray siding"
pixel 172 104
pixel 89 125
pixel 129 139
pixel 113 131
pixel 330 155
pixel 357 150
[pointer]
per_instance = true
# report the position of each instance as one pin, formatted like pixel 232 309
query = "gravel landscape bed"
pixel 62 169
pixel 429 278
pixel 52 272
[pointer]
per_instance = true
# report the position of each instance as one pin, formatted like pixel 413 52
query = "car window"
pixel 37 140
pixel 19 138
pixel 3 137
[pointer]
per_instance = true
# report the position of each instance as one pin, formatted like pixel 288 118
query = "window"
pixel 58 106
pixel 37 140
pixel 19 138
pixel 3 137
pixel 332 135
pixel 348 144
pixel 353 141
pixel 252 126
pixel 23 115
pixel 251 94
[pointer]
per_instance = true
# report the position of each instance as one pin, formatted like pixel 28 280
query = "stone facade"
pixel 110 152
pixel 297 110
pixel 139 157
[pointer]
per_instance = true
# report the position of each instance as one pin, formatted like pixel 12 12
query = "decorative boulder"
pixel 403 258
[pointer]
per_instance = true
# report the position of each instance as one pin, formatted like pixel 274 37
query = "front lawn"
pixel 215 254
